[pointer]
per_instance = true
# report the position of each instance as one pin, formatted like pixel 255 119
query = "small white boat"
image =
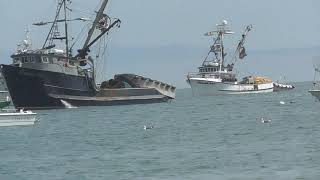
pixel 315 91
pixel 12 117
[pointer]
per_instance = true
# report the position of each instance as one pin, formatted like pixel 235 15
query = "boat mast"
pixel 221 51
pixel 66 28
pixel 240 48
pixel 222 29
pixel 218 48
pixel 54 33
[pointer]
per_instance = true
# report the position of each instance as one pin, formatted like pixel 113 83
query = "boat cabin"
pixel 211 67
pixel 213 71
pixel 51 60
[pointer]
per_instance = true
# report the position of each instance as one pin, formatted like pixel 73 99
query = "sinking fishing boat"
pixel 41 78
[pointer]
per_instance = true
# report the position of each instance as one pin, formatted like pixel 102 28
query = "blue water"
pixel 193 138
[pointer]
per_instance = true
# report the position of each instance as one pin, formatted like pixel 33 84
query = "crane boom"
pixel 95 22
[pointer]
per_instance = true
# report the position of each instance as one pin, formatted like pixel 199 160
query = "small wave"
pixel 67 104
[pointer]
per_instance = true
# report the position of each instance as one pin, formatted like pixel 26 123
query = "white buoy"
pixel 265 120
pixel 282 102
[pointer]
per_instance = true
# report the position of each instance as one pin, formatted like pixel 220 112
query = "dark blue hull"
pixel 38 89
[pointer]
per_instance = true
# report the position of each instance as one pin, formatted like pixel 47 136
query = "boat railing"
pixel 316 85
pixel 9 110
pixel 204 75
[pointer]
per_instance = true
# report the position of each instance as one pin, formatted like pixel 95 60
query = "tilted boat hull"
pixel 39 89
pixel 205 88
pixel 315 93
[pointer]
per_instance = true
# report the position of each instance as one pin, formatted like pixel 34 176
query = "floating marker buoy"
pixel 265 120
pixel 147 127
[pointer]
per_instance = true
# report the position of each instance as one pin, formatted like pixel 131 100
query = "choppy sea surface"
pixel 218 137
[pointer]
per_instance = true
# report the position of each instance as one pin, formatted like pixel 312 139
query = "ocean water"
pixel 193 138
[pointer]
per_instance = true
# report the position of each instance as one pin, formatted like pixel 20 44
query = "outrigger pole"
pixel 240 48
pixel 83 51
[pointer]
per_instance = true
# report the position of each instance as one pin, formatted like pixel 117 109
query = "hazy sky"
pixel 156 23
pixel 176 23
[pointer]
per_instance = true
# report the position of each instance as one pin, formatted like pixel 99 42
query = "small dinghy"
pixel 14 117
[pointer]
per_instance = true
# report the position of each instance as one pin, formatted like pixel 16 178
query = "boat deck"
pixel 102 98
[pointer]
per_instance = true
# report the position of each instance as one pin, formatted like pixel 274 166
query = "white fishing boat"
pixel 214 77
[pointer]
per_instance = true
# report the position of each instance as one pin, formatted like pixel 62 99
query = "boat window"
pixel 28 59
pixel 24 59
pixel 32 59
pixel 63 60
pixel 16 59
pixel 45 59
pixel 54 60
pixel 37 59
